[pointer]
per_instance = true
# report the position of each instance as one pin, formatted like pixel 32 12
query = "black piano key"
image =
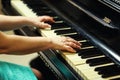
pixel 40 12
pixel 49 14
pixel 108 71
pixel 57 19
pixel 98 61
pixel 90 54
pixel 86 44
pixel 40 9
pixel 66 31
pixel 86 51
pixel 37 5
pixel 76 37
pixel 46 12
pixel 34 4
pixel 59 25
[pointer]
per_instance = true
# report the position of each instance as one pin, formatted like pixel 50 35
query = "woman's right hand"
pixel 65 43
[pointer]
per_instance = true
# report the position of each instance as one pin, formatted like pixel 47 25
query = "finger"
pixel 68 39
pixel 70 49
pixel 46 19
pixel 73 45
pixel 44 25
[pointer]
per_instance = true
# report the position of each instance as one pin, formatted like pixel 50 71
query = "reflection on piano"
pixel 91 22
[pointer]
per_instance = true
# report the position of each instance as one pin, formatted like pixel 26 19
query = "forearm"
pixel 12 22
pixel 12 44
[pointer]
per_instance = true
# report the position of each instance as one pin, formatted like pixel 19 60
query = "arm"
pixel 14 22
pixel 13 44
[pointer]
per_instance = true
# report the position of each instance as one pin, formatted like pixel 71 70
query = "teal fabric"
pixel 10 71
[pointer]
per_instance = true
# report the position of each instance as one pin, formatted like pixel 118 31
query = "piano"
pixel 94 23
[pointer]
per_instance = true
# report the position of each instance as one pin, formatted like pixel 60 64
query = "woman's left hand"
pixel 42 21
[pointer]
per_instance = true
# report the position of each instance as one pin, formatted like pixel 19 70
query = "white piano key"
pixel 22 8
pixel 25 11
pixel 88 72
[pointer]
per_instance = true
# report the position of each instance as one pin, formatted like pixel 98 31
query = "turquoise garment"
pixel 10 71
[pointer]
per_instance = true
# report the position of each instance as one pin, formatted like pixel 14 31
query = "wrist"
pixel 28 21
pixel 50 42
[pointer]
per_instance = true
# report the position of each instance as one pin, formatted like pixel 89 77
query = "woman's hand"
pixel 65 43
pixel 41 21
pixel 58 42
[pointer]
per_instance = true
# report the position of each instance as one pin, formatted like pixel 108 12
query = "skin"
pixel 21 45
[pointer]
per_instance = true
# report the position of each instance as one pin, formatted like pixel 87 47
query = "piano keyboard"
pixel 88 62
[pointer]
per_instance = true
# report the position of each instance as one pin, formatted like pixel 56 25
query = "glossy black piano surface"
pixel 96 23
